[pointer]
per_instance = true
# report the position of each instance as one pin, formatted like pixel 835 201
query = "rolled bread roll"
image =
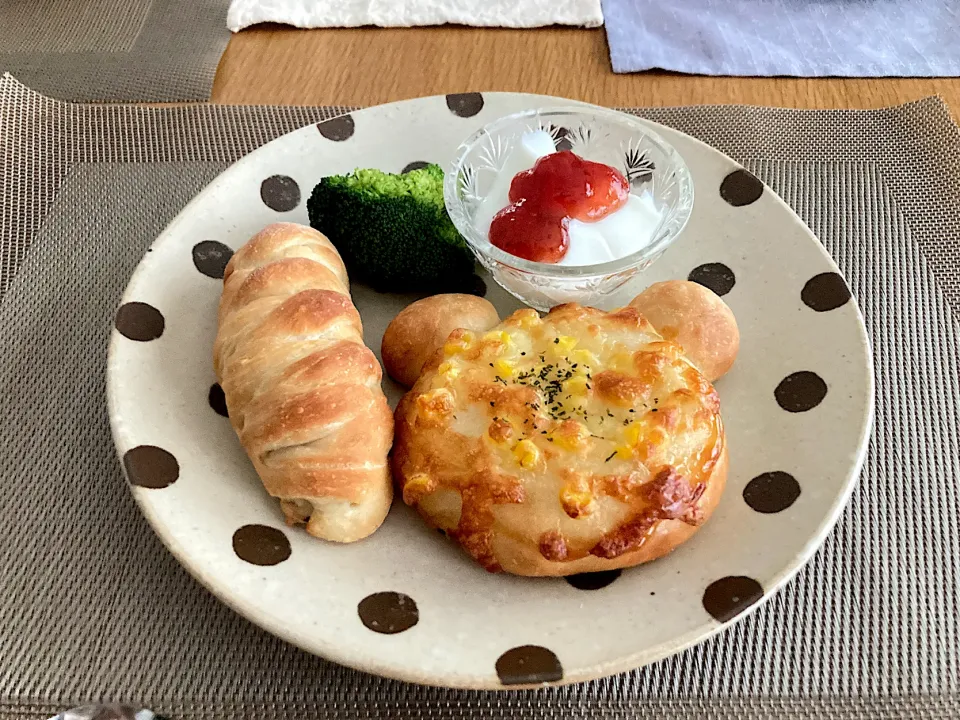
pixel 302 390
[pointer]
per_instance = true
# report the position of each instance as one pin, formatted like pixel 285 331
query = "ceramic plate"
pixel 406 603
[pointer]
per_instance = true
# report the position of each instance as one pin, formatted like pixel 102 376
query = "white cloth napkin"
pixel 404 13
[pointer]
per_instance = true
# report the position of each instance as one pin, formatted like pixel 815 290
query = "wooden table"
pixel 366 66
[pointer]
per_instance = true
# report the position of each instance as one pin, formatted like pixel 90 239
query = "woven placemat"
pixel 114 50
pixel 92 606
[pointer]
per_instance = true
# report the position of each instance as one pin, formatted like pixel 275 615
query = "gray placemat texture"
pixel 114 50
pixel 92 606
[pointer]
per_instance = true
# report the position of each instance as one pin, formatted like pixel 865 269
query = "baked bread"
pixel 302 390
pixel 697 319
pixel 421 327
pixel 577 442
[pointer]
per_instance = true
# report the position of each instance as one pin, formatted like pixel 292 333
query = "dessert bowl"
pixel 654 170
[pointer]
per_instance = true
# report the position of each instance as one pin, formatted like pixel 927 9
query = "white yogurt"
pixel 621 233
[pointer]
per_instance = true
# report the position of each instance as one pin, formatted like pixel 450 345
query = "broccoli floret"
pixel 392 231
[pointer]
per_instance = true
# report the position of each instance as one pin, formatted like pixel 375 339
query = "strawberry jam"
pixel 543 200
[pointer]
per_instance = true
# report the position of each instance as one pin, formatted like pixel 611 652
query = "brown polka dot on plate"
pixel 388 613
pixel 148 466
pixel 217 400
pixel 800 391
pixel 139 321
pixel 727 597
pixel 415 165
pixel 280 193
pixel 772 492
pixel 593 580
pixel 528 665
pixel 741 188
pixel 337 129
pixel 465 104
pixel 261 545
pixel 826 291
pixel 714 276
pixel 211 257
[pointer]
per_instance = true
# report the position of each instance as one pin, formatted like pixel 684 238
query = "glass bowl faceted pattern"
pixel 651 165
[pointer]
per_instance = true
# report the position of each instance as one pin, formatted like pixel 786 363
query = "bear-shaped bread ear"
pixel 697 319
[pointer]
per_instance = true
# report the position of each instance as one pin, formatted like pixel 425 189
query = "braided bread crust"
pixel 302 390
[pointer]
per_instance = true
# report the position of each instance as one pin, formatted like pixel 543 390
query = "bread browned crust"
pixel 577 442
pixel 421 327
pixel 302 390
pixel 697 319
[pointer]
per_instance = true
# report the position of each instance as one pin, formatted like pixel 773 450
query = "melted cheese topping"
pixel 569 431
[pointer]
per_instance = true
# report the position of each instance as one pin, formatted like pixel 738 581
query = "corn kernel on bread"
pixel 577 442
